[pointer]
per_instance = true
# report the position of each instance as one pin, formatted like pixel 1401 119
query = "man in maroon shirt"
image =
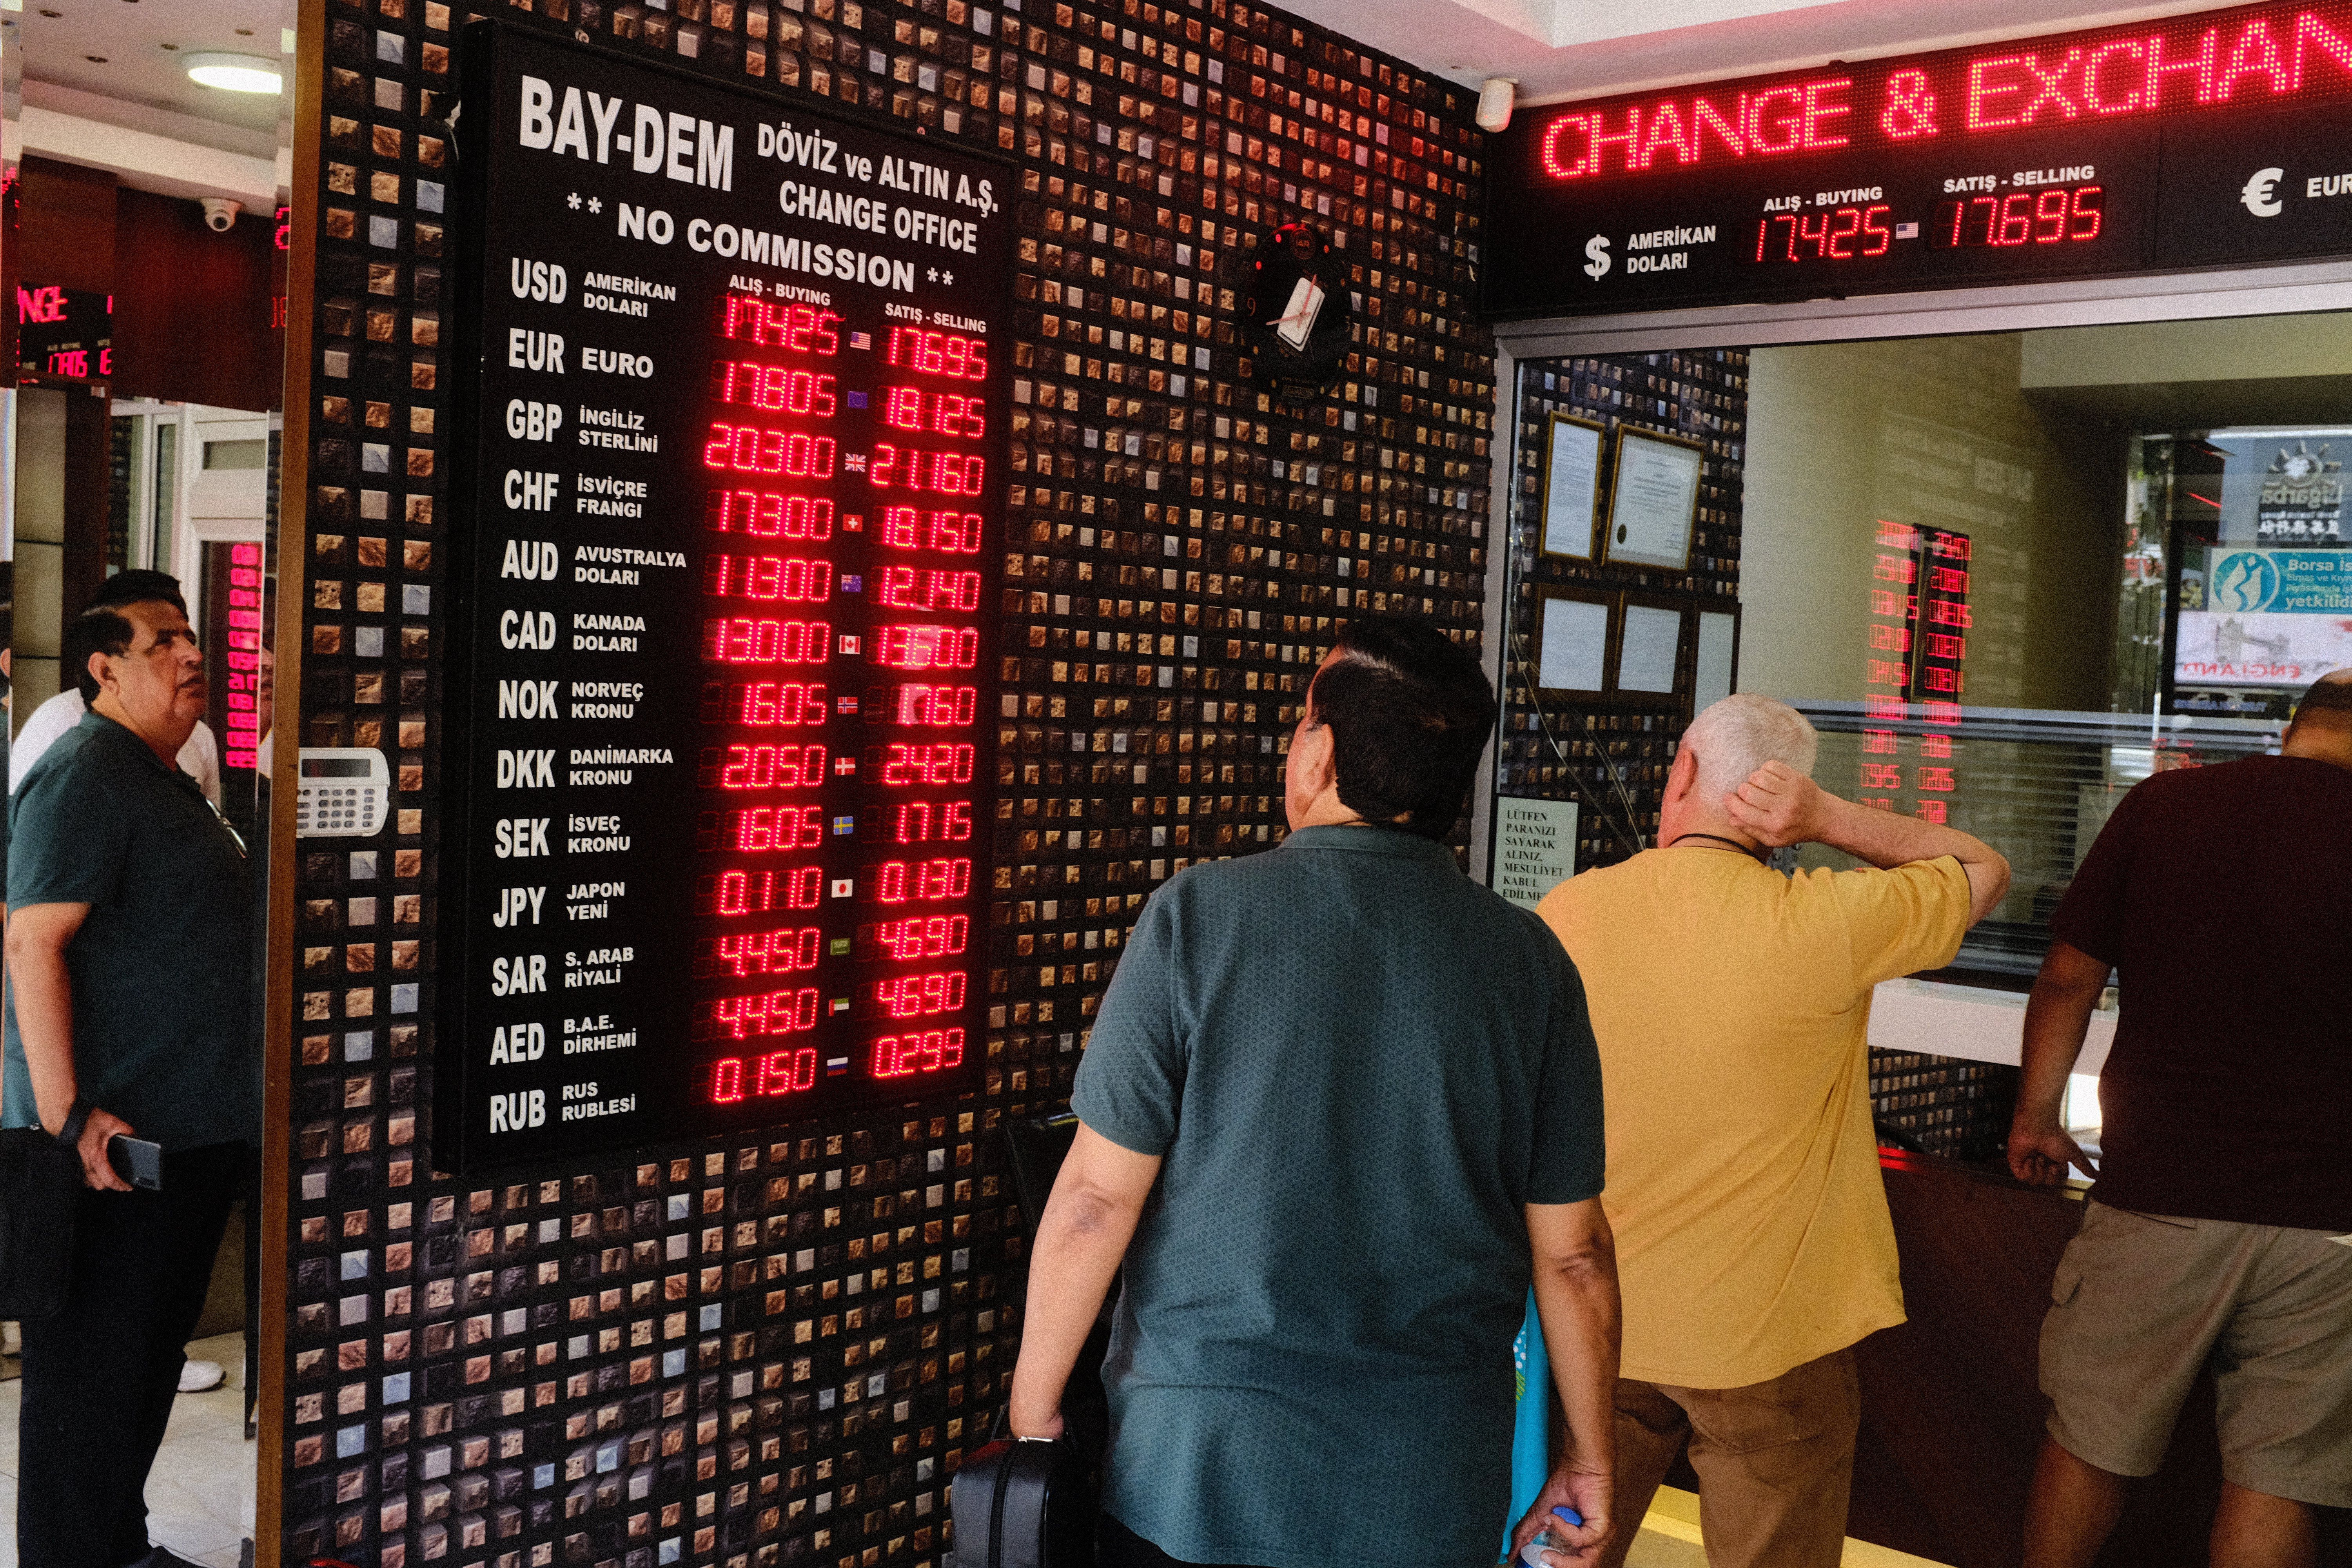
pixel 2223 897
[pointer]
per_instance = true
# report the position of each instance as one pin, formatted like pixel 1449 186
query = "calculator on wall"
pixel 346 793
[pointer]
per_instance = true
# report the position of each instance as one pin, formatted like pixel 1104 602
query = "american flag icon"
pixel 861 339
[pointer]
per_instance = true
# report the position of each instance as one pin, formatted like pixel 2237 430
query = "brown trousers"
pixel 1775 1463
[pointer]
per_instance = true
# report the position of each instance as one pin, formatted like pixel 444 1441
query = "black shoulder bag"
pixel 1025 1502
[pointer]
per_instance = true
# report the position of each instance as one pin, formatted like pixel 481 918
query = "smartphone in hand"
pixel 138 1161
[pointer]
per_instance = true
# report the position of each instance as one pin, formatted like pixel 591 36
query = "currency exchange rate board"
pixel 2217 139
pixel 731 498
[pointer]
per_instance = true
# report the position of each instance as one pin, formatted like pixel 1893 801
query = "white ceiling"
pixel 1588 49
pixel 133 109
pixel 139 46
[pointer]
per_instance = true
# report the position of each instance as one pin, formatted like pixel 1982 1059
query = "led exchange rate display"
pixel 2221 138
pixel 732 482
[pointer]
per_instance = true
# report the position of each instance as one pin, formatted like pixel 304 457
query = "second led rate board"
pixel 2216 138
pixel 723 700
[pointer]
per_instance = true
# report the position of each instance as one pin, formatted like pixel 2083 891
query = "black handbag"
pixel 1023 1503
pixel 40 1187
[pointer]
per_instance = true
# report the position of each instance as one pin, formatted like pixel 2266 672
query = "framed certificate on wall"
pixel 1571 487
pixel 1650 644
pixel 1573 629
pixel 1654 503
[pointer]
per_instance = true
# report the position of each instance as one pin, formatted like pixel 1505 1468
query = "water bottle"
pixel 1532 1555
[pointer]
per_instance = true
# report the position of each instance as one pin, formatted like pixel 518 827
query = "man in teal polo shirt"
pixel 129 963
pixel 1341 1108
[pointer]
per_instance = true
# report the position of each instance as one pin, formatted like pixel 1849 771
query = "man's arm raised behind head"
pixel 1781 806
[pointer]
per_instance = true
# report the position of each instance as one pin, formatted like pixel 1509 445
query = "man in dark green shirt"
pixel 130 962
pixel 1340 1106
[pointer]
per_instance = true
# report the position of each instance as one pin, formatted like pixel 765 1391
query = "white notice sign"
pixel 1535 848
pixel 1649 647
pixel 1572 650
pixel 1572 471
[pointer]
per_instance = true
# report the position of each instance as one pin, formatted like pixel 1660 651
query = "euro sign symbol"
pixel 2257 195
pixel 1597 248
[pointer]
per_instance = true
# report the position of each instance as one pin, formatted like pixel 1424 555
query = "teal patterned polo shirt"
pixel 1357 1066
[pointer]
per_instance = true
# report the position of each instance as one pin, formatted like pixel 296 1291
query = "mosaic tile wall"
pixel 776 1350
pixel 1563 750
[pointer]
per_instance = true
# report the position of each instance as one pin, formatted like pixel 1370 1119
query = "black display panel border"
pixel 458 1081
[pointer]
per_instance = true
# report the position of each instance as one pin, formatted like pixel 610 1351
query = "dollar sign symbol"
pixel 1597 248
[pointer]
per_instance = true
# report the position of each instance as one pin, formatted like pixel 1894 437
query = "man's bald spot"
pixel 2323 717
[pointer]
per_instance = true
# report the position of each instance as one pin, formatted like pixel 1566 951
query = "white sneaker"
pixel 197 1376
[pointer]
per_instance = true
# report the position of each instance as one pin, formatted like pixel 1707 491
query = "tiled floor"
pixel 1670 1538
pixel 1652 1549
pixel 200 1494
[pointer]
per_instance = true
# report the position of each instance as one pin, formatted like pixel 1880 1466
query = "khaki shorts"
pixel 2142 1303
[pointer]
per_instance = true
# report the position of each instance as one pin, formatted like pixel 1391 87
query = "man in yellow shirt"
pixel 1731 1004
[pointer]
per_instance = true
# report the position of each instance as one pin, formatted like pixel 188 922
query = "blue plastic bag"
pixel 1531 1423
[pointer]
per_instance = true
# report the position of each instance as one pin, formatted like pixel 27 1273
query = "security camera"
pixel 1495 99
pixel 220 213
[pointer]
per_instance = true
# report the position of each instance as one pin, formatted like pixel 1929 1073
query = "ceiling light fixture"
pixel 235 73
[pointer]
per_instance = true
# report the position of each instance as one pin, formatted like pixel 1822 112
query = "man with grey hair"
pixel 1731 1004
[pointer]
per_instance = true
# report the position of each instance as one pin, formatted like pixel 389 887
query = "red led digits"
pixel 931 707
pixel 780 792
pixel 759 830
pixel 787 950
pixel 765 704
pixel 937 353
pixel 774 388
pixel 763 1013
pixel 779 1072
pixel 915 937
pixel 917 822
pixel 761 765
pixel 946 473
pixel 769 514
pixel 762 449
pixel 917 1051
pixel 927 589
pixel 934 412
pixel 904 762
pixel 925 648
pixel 914 995
pixel 1840 233
pixel 750 893
pixel 795 328
pixel 950 532
pixel 915 882
pixel 746 639
pixel 785 579
pixel 2053 216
